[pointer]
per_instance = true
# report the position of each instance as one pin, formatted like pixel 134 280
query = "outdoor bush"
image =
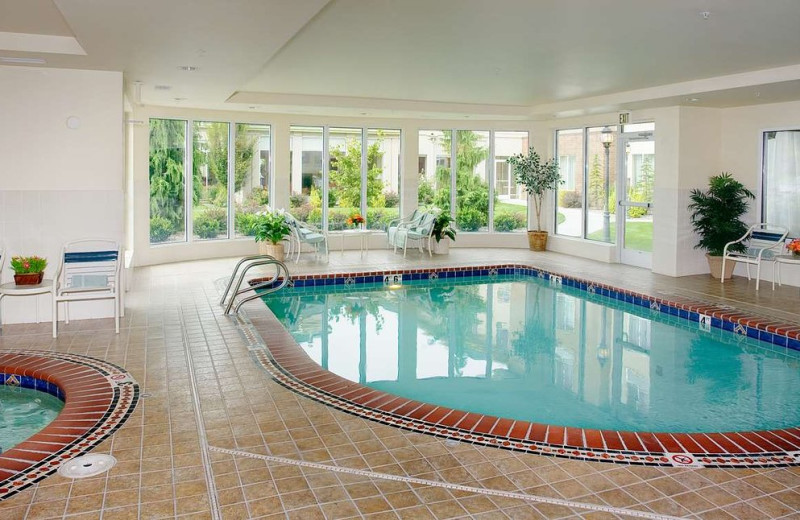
pixel 425 192
pixel 297 199
pixel 391 199
pixel 220 214
pixel 258 197
pixel 160 229
pixel 244 223
pixel 206 225
pixel 337 219
pixel 470 219
pixel 505 222
pixel 570 199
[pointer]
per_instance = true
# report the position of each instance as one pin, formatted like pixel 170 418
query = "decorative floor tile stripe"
pixel 446 485
pixel 286 361
pixel 113 398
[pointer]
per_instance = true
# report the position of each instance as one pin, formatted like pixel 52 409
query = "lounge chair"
pixel 763 242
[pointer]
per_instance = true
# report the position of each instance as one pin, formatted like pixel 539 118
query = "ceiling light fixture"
pixel 188 68
pixel 705 14
pixel 179 99
pixel 692 99
pixel 162 87
pixel 25 61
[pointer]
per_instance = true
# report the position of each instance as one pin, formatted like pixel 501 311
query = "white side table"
pixel 363 237
pixel 12 289
pixel 776 266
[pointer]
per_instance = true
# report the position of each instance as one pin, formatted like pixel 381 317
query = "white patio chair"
pixel 89 269
pixel 762 242
pixel 394 225
pixel 422 232
pixel 305 233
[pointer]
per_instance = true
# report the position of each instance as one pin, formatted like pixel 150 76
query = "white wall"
pixel 58 183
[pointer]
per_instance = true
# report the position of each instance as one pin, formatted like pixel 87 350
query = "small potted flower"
pixel 794 247
pixel 28 270
pixel 355 220
pixel 270 228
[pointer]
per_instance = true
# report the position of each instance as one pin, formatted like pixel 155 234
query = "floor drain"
pixel 87 466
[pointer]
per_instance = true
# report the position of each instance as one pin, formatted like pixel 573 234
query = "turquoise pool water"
pixel 23 412
pixel 515 347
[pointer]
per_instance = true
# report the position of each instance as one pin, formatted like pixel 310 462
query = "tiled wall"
pixel 38 222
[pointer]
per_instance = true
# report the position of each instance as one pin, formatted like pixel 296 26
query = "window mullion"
pixel 188 182
pixel 492 168
pixel 326 157
pixel 364 166
pixel 453 171
pixel 231 176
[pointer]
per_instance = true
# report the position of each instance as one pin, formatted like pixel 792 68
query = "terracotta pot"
pixel 28 278
pixel 276 251
pixel 537 240
pixel 715 265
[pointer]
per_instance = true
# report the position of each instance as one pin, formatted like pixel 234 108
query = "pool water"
pixel 515 347
pixel 23 412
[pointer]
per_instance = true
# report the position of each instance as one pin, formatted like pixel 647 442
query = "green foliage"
pixel 391 199
pixel 245 223
pixel 569 199
pixel 271 226
pixel 206 225
pixel 167 148
pixel 345 175
pixel 470 219
pixel 505 222
pixel 28 264
pixel 716 213
pixel 536 177
pixel 596 189
pixel 643 190
pixel 425 192
pixel 160 229
pixel 442 227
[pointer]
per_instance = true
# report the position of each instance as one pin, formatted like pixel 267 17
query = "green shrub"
pixel 297 200
pixel 160 229
pixel 258 197
pixel 425 192
pixel 505 222
pixel 570 199
pixel 470 219
pixel 245 223
pixel 220 214
pixel 206 226
pixel 391 199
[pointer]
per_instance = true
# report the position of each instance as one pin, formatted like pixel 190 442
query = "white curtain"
pixel 782 171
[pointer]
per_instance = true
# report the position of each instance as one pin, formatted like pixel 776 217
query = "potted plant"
pixel 355 221
pixel 270 228
pixel 443 232
pixel 536 177
pixel 28 270
pixel 716 217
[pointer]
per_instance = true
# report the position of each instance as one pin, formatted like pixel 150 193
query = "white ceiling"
pixel 478 58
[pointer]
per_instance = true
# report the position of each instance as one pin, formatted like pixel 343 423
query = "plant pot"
pixel 715 265
pixel 28 278
pixel 537 240
pixel 442 247
pixel 276 251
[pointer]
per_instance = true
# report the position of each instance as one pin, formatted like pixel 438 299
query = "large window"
pixel 486 195
pixel 356 183
pixel 252 167
pixel 588 191
pixel 215 184
pixel 167 188
pixel 781 180
pixel 210 180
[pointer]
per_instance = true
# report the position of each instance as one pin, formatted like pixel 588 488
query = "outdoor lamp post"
pixel 602 348
pixel 606 136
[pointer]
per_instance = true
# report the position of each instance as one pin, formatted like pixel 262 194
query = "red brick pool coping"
pixel 293 368
pixel 99 397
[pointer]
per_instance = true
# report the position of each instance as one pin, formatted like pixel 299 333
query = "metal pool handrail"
pixel 245 264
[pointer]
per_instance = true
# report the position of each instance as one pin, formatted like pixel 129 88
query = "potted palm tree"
pixel 269 229
pixel 716 217
pixel 443 232
pixel 537 177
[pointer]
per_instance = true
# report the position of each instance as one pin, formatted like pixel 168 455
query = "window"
pixel 305 175
pixel 167 188
pixel 569 209
pixel 210 180
pixel 368 187
pixel 510 206
pixel 587 193
pixel 487 198
pixel 252 169
pixel 215 184
pixel 781 179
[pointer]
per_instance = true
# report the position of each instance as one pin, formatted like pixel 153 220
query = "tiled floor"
pixel 214 437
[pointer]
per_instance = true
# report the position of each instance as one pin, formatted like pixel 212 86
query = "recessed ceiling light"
pixel 179 99
pixel 188 68
pixel 162 87
pixel 27 61
pixel 692 99
pixel 251 108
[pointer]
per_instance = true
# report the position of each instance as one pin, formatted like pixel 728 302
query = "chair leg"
pixel 55 317
pixel 748 271
pixel 66 312
pixel 758 275
pixel 116 312
pixel 722 274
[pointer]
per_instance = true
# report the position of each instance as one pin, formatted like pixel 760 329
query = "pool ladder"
pixel 266 286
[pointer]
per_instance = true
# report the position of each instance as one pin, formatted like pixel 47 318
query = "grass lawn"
pixel 504 207
pixel 639 235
